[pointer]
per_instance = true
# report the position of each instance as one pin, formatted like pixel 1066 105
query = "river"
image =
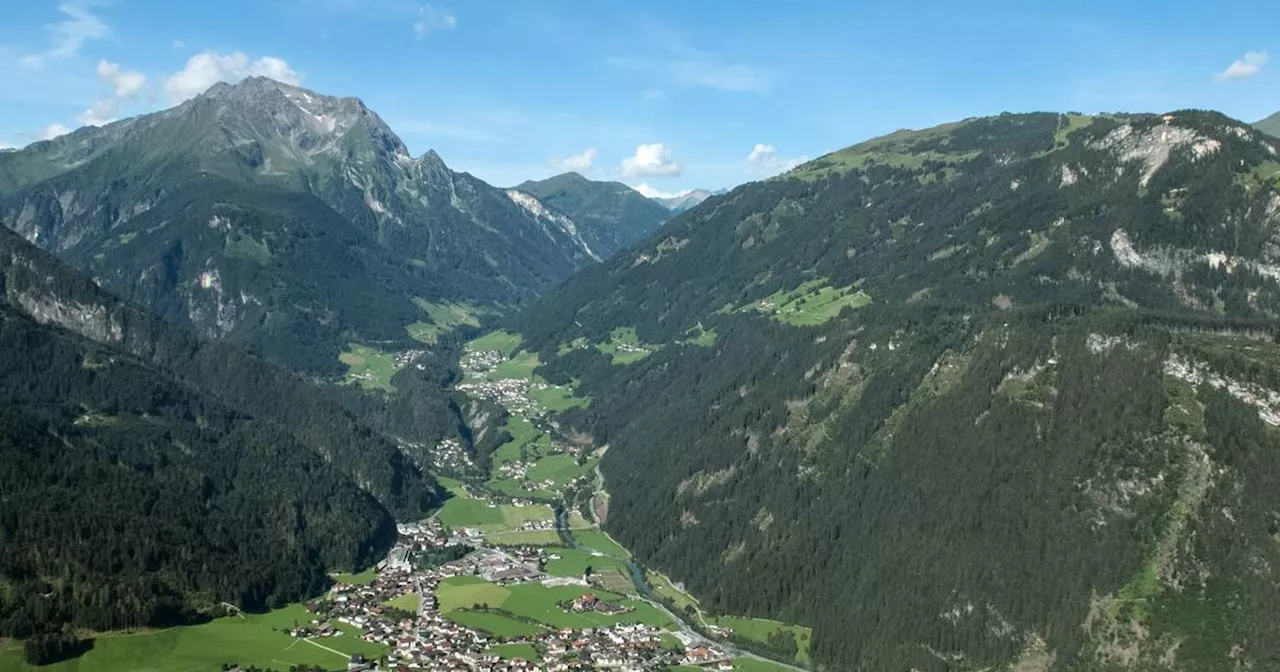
pixel 646 591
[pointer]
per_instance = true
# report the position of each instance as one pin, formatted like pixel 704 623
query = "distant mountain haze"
pixel 1270 125
pixel 609 215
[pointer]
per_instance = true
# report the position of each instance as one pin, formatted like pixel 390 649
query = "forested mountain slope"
pixel 36 284
pixel 218 212
pixel 148 478
pixel 609 215
pixel 999 394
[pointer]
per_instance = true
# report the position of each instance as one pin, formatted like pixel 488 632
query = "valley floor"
pixel 539 591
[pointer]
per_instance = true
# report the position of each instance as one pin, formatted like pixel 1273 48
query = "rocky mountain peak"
pixel 308 123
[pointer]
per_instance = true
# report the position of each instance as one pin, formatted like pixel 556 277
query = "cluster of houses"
pixel 426 640
pixel 481 361
pixel 589 602
pixel 516 565
pixel 512 393
pixel 405 358
pixel 450 457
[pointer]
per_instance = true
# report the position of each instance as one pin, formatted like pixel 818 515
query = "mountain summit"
pixel 1270 125
pixel 609 215
pixel 215 212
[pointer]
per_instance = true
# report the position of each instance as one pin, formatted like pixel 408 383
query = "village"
pixel 443 597
pixel 425 638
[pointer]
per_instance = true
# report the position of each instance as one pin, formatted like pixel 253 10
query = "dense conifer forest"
pixel 1046 437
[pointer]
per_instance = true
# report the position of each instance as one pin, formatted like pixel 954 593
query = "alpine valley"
pixel 1002 394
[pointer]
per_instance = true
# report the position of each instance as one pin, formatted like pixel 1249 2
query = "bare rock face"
pixel 1153 146
pixel 38 298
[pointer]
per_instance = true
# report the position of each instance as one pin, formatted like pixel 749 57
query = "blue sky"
pixel 675 95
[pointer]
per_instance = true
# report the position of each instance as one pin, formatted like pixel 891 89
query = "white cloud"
pixel 125 84
pixel 433 19
pixel 179 45
pixel 577 163
pixel 764 161
pixel 53 130
pixel 679 63
pixel 101 113
pixel 650 192
pixel 66 37
pixel 650 160
pixel 208 68
pixel 711 75
pixel 1243 68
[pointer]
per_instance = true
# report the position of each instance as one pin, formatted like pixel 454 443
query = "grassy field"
pixel 599 541
pixel 515 516
pixel 624 346
pixel 519 366
pixel 255 639
pixel 703 338
pixel 810 304
pixel 894 149
pixel 1067 126
pixel 573 562
pixel 362 579
pixel 666 588
pixel 512 651
pixel 369 368
pixel 557 397
pixel 495 624
pixel 444 317
pixel 523 538
pixel 465 592
pixel 560 469
pixel 760 629
pixel 540 603
pixel 753 665
pixel 669 641
pixel 524 434
pixel 463 511
pixel 407 602
pixel 615 581
pixel 578 522
pixel 502 341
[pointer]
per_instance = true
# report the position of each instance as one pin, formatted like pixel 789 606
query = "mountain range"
pixel 684 201
pixel 213 214
pixel 998 394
